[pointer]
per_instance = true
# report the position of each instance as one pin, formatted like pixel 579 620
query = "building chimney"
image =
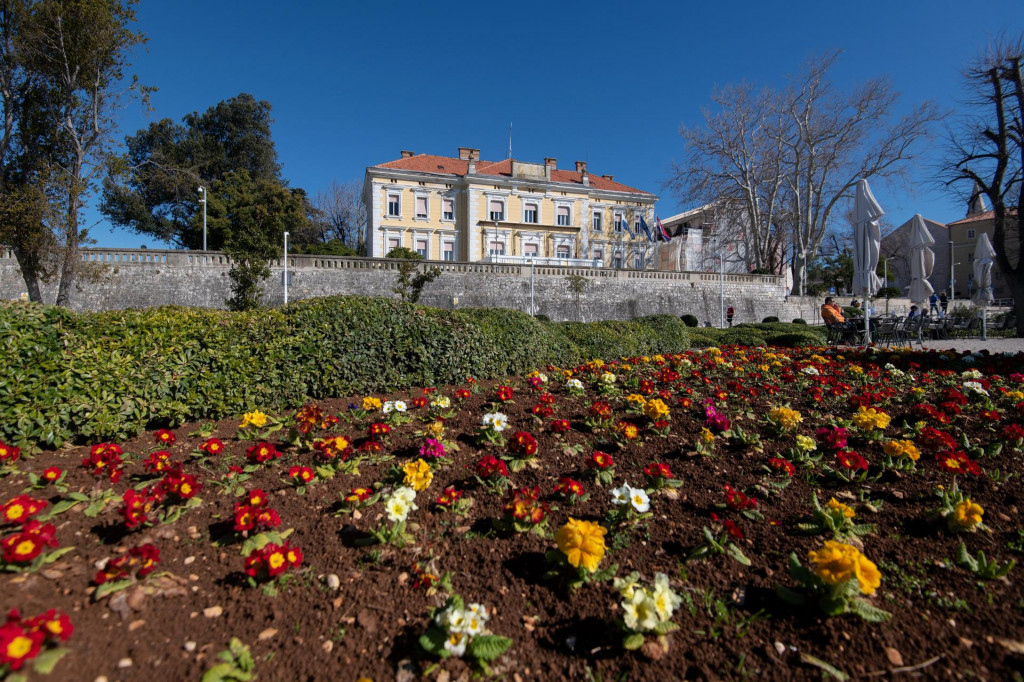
pixel 407 154
pixel 550 163
pixel 608 177
pixel 469 154
pixel 471 170
pixel 581 166
pixel 584 178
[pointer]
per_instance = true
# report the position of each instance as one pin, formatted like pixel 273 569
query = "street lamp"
pixel 286 268
pixel 885 283
pixel 952 276
pixel 721 286
pixel 202 191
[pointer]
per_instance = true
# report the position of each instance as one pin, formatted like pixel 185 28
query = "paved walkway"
pixel 998 345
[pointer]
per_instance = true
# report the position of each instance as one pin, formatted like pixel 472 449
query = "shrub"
pixel 770 318
pixel 741 337
pixel 690 320
pixel 704 337
pixel 794 340
pixel 100 376
pixel 799 320
pixel 541 318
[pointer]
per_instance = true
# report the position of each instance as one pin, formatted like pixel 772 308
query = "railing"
pixel 527 260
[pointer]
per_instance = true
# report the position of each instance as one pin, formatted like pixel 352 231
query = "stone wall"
pixel 138 278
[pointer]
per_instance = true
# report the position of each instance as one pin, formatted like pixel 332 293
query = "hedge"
pixel 107 376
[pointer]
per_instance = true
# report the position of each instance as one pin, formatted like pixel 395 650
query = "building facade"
pixel 963 239
pixel 895 250
pixel 466 209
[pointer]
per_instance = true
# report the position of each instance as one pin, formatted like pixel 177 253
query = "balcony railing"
pixel 536 260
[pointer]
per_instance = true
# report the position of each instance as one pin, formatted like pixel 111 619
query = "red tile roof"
pixel 428 163
pixel 987 215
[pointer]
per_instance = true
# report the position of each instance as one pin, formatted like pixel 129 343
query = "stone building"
pixel 469 210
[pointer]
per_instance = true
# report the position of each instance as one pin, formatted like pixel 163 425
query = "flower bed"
pixel 728 513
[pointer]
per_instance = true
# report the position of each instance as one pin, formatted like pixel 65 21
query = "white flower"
pixel 455 620
pixel 810 371
pixel 607 378
pixel 574 385
pixel 889 366
pixel 400 503
pixel 639 499
pixel 474 625
pixel 456 643
pixel 499 422
pixel 441 401
pixel 639 612
pixel 621 495
pixel 975 387
pixel 665 600
pixel 971 373
pixel 400 406
pixel 389 407
pixel 479 610
pixel 628 585
pixel 405 493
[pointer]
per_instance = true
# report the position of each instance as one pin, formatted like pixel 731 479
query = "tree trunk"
pixel 799 270
pixel 1017 291
pixel 30 273
pixel 70 254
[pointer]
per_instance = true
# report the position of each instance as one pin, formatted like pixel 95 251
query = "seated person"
pixel 831 313
pixel 914 312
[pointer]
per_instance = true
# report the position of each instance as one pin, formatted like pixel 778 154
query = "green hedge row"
pixel 101 376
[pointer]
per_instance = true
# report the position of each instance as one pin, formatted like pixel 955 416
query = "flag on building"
pixel 661 228
pixel 647 230
pixel 625 225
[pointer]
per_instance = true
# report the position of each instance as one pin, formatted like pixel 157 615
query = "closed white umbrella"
pixel 867 239
pixel 922 261
pixel 984 257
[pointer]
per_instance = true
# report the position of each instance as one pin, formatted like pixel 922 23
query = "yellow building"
pixel 466 209
pixel 959 250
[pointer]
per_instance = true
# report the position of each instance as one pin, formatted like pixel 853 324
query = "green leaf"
pixel 111 587
pixel 868 611
pixel 633 641
pixel 737 554
pixel 827 667
pixel 51 557
pixel 488 647
pixel 433 641
pixel 790 596
pixel 45 662
pixel 60 508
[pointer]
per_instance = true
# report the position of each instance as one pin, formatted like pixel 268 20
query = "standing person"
pixel 944 302
pixel 729 315
pixel 933 304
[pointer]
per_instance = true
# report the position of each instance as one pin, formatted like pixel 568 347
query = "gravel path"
pixel 999 345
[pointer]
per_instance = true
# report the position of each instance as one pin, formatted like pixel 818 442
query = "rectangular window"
pixel 599 254
pixel 620 222
pixel 421 207
pixel 563 251
pixel 421 247
pixel 449 250
pixel 497 248
pixel 597 221
pixel 636 225
pixel 563 215
pixel 394 206
pixel 617 260
pixel 970 258
pixel 393 243
pixel 530 250
pixel 448 209
pixel 530 213
pixel 970 234
pixel 497 210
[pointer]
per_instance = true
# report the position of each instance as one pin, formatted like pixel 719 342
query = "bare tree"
pixel 987 154
pixel 787 159
pixel 341 214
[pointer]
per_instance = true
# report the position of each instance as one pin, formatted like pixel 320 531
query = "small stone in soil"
pixel 267 634
pixel 124 663
pixel 213 611
pixel 894 656
pixel 333 581
pixel 190 646
pixel 136 624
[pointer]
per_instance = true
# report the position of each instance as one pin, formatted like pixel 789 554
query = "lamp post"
pixel 202 190
pixel 286 268
pixel 885 281
pixel 721 288
pixel 952 276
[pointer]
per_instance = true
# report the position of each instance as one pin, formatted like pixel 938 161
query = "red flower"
pixel 463 394
pixel 560 426
pixel 308 417
pixel 542 411
pixel 52 474
pixel 569 487
pixel 165 437
pixel 158 462
pixel 136 505
pixel 18 646
pixel 371 446
pixel 657 470
pixel 546 399
pixel 848 459
pixel 21 509
pixel 524 505
pixel 933 440
pixel 600 460
pixel 957 462
pixel 737 500
pixel 504 393
pixel 55 626
pixel 8 453
pixel 212 446
pixel 733 529
pixel 780 464
pixel 489 466
pixel 522 444
pixel 28 543
pixel 832 438
pixel 600 409
pixel 419 402
pixel 449 497
pixel 105 460
pixel 272 560
pixel 379 429
pixel 262 452
pixel 301 474
pixel 257 498
pixel 176 482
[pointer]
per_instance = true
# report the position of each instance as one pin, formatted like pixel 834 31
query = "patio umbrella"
pixel 922 261
pixel 984 257
pixel 867 238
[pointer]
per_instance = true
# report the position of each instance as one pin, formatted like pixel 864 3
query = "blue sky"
pixel 352 83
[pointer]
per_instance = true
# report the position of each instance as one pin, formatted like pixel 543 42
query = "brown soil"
pixel 946 623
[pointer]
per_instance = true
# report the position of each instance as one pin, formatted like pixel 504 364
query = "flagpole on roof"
pixel 510 139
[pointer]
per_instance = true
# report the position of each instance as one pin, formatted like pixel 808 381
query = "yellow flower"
pixel 855 369
pixel 656 409
pixel 370 403
pixel 838 562
pixel 707 436
pixel 784 417
pixel 567 374
pixel 636 399
pixel 418 475
pixel 582 542
pixel 967 515
pixel 868 418
pixel 435 429
pixel 1014 396
pixel 835 505
pixel 254 418
pixel 764 368
pixel 806 443
pixel 902 448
